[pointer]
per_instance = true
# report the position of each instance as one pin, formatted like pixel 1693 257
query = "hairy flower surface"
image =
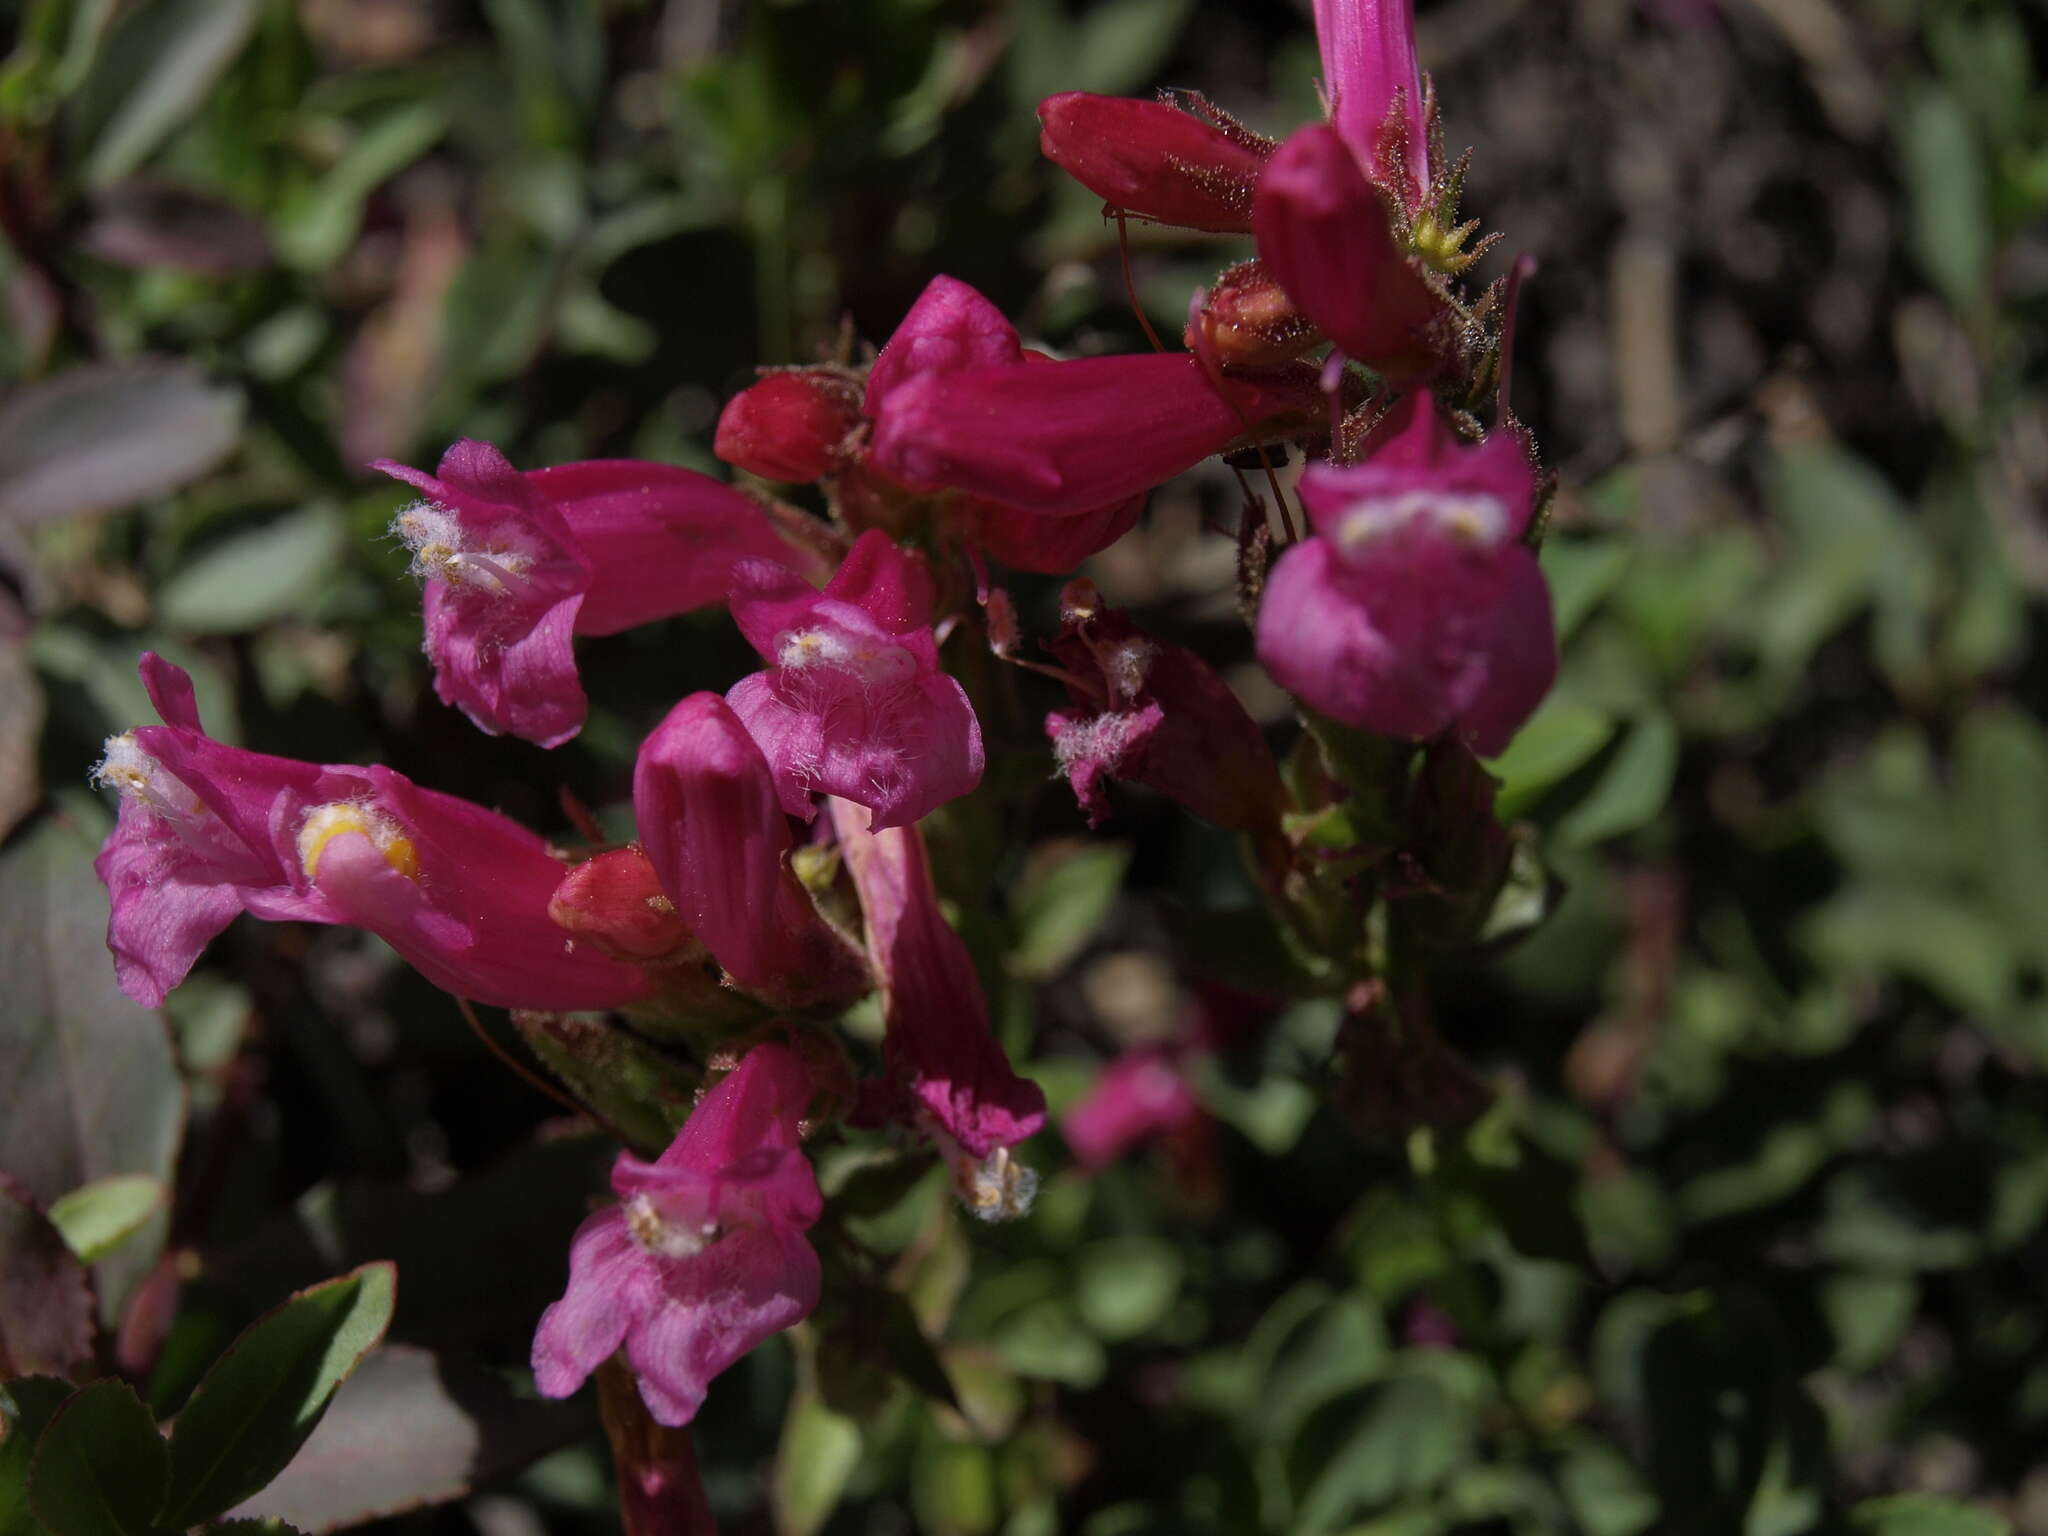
pixel 704 1256
pixel 853 702
pixel 1418 607
pixel 1326 234
pixel 1155 713
pixel 207 831
pixel 515 564
pixel 1155 160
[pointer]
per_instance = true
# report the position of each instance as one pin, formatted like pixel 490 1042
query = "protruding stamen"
pixel 997 1187
pixel 143 780
pixel 441 552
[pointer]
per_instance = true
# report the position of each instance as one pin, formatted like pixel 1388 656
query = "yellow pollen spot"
pixel 325 823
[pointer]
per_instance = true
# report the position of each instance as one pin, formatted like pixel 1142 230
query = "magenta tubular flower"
pixel 1325 234
pixel 704 1257
pixel 810 424
pixel 939 1044
pixel 854 703
pixel 1155 713
pixel 1071 437
pixel 1418 607
pixel 515 564
pixel 1140 1095
pixel 1368 49
pixel 207 831
pixel 712 824
pixel 951 327
pixel 1153 160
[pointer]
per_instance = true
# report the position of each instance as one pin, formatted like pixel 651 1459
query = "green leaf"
pixel 1631 790
pixel 1951 214
pixel 255 577
pixel 62 1125
pixel 316 228
pixel 1559 738
pixel 1850 537
pixel 28 1403
pixel 156 68
pixel 1125 1285
pixel 1867 1312
pixel 1332 1350
pixel 253 1410
pixel 2001 803
pixel 97 1218
pixel 818 1453
pixel 1061 906
pixel 107 435
pixel 1919 1514
pixel 1396 1437
pixel 1120 44
pixel 410 1429
pixel 99 1466
pixel 1581 572
pixel 1046 1340
pixel 46 1306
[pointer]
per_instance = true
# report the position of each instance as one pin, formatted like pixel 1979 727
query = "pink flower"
pixel 207 831
pixel 1140 1095
pixel 704 1257
pixel 854 703
pixel 803 425
pixel 514 564
pixel 1326 233
pixel 1155 160
pixel 1155 713
pixel 1419 607
pixel 939 1045
pixel 1368 49
pixel 1065 438
pixel 713 828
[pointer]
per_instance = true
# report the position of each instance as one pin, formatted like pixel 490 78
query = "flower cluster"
pixel 1413 610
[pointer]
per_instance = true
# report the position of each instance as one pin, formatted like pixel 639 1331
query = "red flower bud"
pixel 615 902
pixel 788 427
pixel 1249 320
pixel 1151 159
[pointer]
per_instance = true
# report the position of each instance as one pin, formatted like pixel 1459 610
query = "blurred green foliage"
pixel 1752 1238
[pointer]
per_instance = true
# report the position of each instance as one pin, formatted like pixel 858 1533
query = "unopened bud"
pixel 1154 160
pixel 789 426
pixel 1250 321
pixel 615 902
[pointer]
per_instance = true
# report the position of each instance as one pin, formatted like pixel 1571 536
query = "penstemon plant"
pixel 779 875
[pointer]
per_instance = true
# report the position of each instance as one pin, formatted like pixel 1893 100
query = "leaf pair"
pixel 100 1467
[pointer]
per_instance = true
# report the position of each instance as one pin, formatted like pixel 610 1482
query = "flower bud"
pixel 1249 320
pixel 1151 159
pixel 615 902
pixel 788 427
